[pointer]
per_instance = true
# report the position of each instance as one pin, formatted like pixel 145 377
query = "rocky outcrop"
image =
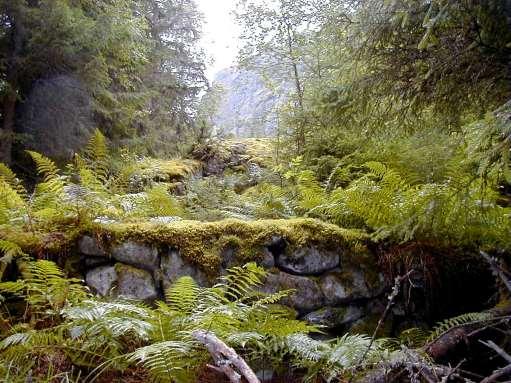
pixel 57 116
pixel 248 105
pixel 324 288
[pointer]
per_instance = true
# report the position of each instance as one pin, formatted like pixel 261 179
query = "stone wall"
pixel 330 288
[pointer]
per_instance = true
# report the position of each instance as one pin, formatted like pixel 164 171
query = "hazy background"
pixel 220 34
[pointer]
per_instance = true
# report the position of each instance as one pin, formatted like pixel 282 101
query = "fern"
pixel 44 287
pixel 182 296
pixel 168 361
pixel 240 281
pixel 97 155
pixel 461 320
pixel 45 167
pixel 10 178
pixel 11 251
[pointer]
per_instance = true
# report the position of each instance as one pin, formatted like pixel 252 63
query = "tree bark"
pixel 299 88
pixel 226 359
pixel 7 136
pixel 17 35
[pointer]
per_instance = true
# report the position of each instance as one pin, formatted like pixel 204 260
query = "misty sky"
pixel 220 34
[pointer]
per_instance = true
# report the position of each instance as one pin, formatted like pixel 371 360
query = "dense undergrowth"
pixel 394 138
pixel 54 328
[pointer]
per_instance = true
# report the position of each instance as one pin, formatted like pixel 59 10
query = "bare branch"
pixel 226 359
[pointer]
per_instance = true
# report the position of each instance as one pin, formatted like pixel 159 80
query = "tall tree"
pixel 101 42
pixel 175 75
pixel 278 37
pixel 453 56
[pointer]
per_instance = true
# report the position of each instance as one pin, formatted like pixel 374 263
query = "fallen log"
pixel 227 361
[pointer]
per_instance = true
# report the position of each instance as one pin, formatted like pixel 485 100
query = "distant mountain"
pixel 248 107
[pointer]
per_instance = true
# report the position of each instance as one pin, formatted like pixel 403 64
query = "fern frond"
pixel 168 361
pixel 240 281
pixel 183 295
pixel 460 320
pixel 14 182
pixel 97 154
pixel 45 167
pixel 91 310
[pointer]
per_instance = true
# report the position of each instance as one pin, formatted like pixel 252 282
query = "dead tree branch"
pixel 226 359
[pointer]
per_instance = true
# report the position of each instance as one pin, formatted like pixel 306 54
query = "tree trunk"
pixel 507 12
pixel 299 90
pixel 17 34
pixel 7 136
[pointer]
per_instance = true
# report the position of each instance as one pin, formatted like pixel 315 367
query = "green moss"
pixel 165 170
pixel 42 243
pixel 259 150
pixel 122 269
pixel 200 242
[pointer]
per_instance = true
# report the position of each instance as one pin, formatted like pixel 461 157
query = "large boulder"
pixel 345 286
pixel 137 254
pixel 174 266
pixel 308 261
pixel 133 283
pixel 306 296
pixel 90 246
pixel 57 116
pixel 123 281
pixel 102 280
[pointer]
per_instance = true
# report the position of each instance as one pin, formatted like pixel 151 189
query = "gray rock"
pixel 228 257
pixel 133 283
pixel 57 116
pixel 333 317
pixel 174 266
pixel 308 261
pixel 340 287
pixel 137 254
pixel 307 295
pixel 102 279
pixel 268 260
pixel 90 246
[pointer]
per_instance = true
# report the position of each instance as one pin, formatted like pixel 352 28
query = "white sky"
pixel 220 34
